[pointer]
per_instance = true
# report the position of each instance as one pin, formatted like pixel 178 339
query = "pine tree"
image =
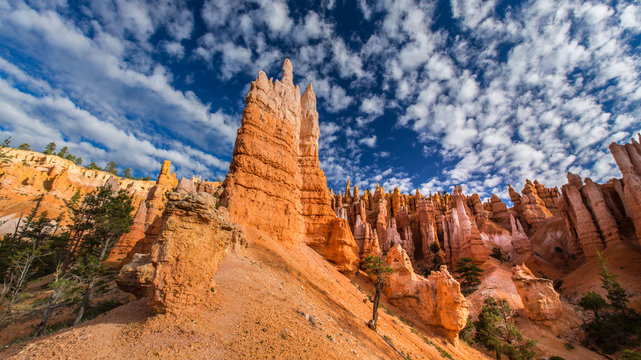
pixel 93 166
pixel 111 168
pixel 50 149
pixel 99 220
pixel 375 266
pixel 495 330
pixel 616 294
pixel 469 274
pixel 63 152
pixel 28 245
pixel 24 146
pixel 593 302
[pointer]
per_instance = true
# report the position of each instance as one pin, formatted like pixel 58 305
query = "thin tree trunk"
pixel 83 304
pixel 377 299
pixel 51 305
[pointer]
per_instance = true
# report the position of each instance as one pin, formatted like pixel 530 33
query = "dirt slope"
pixel 272 303
pixel 623 259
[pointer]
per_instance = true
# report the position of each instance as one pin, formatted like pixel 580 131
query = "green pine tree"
pixel 469 275
pixel 50 149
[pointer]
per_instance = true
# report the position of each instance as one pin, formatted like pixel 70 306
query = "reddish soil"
pixel 273 303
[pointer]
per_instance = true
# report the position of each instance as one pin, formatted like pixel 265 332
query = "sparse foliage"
pixel 24 146
pixel 614 324
pixel 93 166
pixel 497 253
pixel 616 294
pixel 111 168
pixel 26 249
pixel 63 152
pixel 376 267
pixel 594 302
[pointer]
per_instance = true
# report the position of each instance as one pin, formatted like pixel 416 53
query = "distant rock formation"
pixel 547 228
pixel 146 226
pixel 275 183
pixel 28 174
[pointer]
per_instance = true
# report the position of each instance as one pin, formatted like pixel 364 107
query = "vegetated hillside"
pixel 26 175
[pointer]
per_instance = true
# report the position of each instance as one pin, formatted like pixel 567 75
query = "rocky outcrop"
pixel 435 301
pixel 26 175
pixel 275 184
pixel 194 236
pixel 136 276
pixel 541 301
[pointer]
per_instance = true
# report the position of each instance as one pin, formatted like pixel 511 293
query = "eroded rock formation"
pixel 436 300
pixel 541 301
pixel 193 238
pixel 275 183
pixel 146 224
pixel 628 158
pixel 547 228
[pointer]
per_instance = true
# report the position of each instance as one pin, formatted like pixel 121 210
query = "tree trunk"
pixel 83 304
pixel 377 298
pixel 51 305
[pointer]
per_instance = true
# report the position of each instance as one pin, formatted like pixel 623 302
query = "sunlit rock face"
pixel 193 238
pixel 540 299
pixel 436 300
pixel 275 184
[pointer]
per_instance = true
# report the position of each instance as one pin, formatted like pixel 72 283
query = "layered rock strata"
pixel 275 183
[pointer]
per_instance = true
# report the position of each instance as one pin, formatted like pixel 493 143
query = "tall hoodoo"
pixel 628 158
pixel 274 182
pixel 262 187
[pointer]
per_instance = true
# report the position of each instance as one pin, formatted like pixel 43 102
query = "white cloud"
pixel 373 105
pixel 369 141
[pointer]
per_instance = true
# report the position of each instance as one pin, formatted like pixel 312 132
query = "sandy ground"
pixel 273 303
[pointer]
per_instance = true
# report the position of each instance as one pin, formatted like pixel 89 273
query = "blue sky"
pixel 426 94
